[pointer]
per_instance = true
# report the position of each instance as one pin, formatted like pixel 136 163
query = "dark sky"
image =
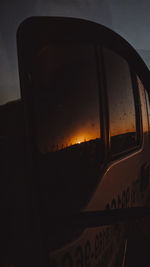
pixel 130 18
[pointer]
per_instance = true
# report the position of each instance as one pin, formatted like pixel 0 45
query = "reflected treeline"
pixel 79 145
pixel 61 147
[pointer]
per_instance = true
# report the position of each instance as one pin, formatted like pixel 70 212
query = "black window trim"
pixel 138 111
pixel 103 103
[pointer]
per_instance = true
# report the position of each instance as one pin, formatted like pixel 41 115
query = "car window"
pixel 121 103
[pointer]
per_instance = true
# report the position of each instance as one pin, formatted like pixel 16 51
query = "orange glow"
pixel 78 137
pixel 83 136
pixel 122 127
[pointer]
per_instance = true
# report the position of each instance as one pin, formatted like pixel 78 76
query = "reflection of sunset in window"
pixel 124 126
pixel 143 105
pixel 122 115
pixel 69 100
pixel 77 138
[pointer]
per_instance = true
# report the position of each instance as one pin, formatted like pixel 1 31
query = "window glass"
pixel 122 114
pixel 67 100
pixel 148 107
pixel 67 121
pixel 143 105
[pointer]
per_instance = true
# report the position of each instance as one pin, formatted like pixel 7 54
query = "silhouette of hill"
pixel 11 118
